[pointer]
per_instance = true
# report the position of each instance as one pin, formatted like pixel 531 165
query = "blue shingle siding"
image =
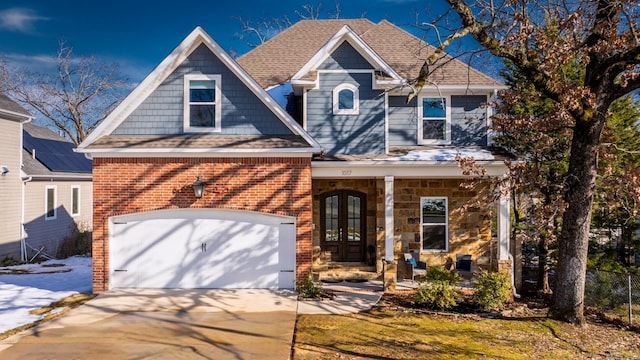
pixel 345 57
pixel 347 134
pixel 469 120
pixel 242 112
pixel 403 121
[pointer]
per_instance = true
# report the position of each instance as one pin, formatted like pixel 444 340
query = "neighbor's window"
pixel 75 200
pixel 435 124
pixel 202 103
pixel 434 223
pixel 50 203
pixel 345 100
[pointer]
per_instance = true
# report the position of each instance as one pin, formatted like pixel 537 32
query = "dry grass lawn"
pixel 392 332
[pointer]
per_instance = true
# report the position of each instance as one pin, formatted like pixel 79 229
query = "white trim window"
pixel 75 200
pixel 202 103
pixel 434 223
pixel 346 100
pixel 434 126
pixel 50 200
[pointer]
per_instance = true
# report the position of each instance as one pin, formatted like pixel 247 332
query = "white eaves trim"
pixel 16 116
pixel 409 169
pixel 451 89
pixel 345 33
pixel 79 177
pixel 197 37
pixel 198 153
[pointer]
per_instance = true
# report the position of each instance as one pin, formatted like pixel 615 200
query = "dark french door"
pixel 343 228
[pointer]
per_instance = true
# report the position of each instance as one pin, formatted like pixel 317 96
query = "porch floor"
pixel 344 271
pixel 376 284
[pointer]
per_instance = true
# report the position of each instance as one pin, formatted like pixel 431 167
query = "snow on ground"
pixel 39 285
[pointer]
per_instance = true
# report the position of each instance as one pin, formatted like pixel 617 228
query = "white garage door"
pixel 202 248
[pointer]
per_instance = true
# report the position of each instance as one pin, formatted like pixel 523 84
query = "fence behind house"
pixel 617 294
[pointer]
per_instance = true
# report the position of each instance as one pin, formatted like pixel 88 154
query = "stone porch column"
pixel 390 268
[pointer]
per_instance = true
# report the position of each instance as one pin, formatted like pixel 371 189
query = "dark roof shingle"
pixel 9 105
pixel 277 60
pixel 198 141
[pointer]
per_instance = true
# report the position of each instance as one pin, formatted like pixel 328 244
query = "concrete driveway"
pixel 166 324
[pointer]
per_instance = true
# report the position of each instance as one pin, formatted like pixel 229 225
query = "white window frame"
pixel 218 103
pixel 336 100
pixel 77 213
pixel 46 202
pixel 447 138
pixel 446 224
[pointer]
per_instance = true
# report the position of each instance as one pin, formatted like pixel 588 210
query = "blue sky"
pixel 138 34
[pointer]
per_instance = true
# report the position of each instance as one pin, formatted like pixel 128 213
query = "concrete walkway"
pixel 185 324
pixel 350 297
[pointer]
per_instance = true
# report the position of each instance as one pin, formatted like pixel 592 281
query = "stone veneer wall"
pixel 367 186
pixel 470 214
pixel 131 185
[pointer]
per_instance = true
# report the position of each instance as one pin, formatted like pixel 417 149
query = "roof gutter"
pixel 53 177
pixel 200 152
pixel 16 116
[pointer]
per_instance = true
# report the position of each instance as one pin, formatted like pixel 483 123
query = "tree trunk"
pixel 568 296
pixel 543 266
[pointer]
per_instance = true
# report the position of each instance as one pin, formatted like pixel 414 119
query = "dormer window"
pixel 434 126
pixel 345 100
pixel 202 103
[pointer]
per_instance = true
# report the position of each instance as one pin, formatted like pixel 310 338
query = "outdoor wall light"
pixel 198 187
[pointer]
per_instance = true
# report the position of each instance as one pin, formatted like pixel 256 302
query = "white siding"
pixel 10 189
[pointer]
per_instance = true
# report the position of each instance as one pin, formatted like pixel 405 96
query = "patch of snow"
pixel 444 155
pixel 42 285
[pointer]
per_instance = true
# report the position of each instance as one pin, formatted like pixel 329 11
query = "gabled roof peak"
pixel 346 33
pixel 288 52
pixel 196 38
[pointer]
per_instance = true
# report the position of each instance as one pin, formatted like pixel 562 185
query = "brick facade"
pixel 130 185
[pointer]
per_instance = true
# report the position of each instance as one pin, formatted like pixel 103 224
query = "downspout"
pixel 23 240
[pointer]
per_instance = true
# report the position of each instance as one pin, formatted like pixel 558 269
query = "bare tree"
pixel 257 32
pixel 75 98
pixel 540 38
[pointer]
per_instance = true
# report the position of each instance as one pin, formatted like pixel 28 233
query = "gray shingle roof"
pixel 10 105
pixel 198 141
pixel 277 60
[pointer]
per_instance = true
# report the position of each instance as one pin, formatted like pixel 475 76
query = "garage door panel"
pixel 202 249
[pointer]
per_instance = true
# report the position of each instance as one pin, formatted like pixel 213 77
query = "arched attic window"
pixel 346 100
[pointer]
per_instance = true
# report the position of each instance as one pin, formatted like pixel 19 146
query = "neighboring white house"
pixel 46 192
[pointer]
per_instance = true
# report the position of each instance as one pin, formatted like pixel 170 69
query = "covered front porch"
pixel 364 222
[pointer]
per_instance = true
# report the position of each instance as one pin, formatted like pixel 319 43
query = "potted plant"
pixel 371 258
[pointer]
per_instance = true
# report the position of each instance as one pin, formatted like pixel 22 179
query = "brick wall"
pixel 131 185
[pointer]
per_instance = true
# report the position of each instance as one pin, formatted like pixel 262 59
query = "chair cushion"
pixel 413 262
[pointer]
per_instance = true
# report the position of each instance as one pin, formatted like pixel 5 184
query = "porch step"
pixel 345 271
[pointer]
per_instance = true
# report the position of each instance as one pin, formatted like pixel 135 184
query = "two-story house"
pixel 202 179
pixel 45 188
